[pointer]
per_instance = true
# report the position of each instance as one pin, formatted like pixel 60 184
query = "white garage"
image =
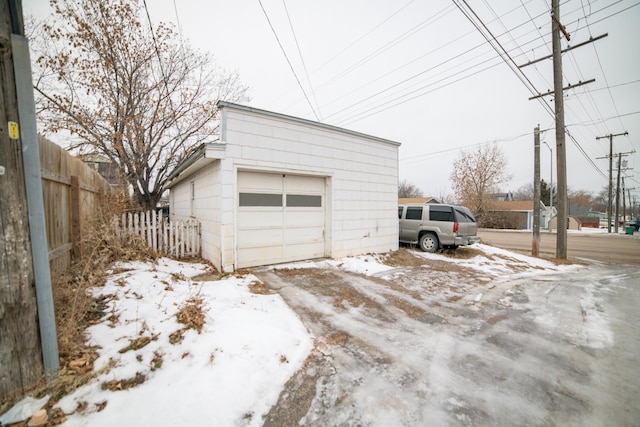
pixel 277 188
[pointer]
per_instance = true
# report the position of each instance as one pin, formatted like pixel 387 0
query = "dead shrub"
pixel 191 316
pixel 75 308
pixel 116 385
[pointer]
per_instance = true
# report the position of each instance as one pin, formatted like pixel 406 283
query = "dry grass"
pixel 75 309
pixel 191 316
pixel 404 258
pixel 260 288
pixel 411 310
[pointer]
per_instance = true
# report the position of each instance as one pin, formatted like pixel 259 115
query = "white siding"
pixel 207 209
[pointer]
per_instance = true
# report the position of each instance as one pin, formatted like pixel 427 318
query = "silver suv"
pixel 437 226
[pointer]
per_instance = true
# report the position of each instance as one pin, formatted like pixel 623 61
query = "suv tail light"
pixel 455 227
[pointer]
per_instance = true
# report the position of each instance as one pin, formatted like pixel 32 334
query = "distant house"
pixel 518 215
pixel 278 188
pixel 103 166
pixel 503 197
pixel 418 200
pixel 512 214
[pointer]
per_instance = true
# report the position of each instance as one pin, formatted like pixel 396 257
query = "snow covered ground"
pixel 401 345
pixel 230 373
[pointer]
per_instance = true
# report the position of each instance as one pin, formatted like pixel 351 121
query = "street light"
pixel 550 184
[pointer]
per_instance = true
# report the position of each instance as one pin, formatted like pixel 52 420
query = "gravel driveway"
pixel 465 339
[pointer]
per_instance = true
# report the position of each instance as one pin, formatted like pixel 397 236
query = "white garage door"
pixel 281 218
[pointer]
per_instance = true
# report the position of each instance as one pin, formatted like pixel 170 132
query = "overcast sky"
pixel 421 74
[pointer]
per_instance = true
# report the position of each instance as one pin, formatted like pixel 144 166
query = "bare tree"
pixel 476 175
pixel 408 190
pixel 524 193
pixel 139 96
pixel 600 200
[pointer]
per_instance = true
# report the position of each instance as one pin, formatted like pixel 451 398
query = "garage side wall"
pixel 206 208
pixel 362 175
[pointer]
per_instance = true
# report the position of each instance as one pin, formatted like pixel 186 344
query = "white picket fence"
pixel 179 239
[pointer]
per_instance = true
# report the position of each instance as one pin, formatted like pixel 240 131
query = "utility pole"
pixel 561 152
pixel 618 190
pixel 28 341
pixel 20 350
pixel 535 241
pixel 624 207
pixel 550 187
pixel 558 90
pixel 610 201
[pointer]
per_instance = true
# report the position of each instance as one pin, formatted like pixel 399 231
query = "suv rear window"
pixel 440 213
pixel 463 214
pixel 414 212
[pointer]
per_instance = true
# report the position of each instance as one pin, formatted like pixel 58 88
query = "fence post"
pixel 154 235
pixel 165 240
pixel 198 233
pixel 187 230
pixel 172 237
pixel 181 238
pixel 147 222
pixel 75 217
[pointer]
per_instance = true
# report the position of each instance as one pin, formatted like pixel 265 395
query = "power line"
pixel 412 92
pixel 415 29
pixel 402 99
pixel 164 76
pixel 330 60
pixel 406 80
pixel 421 157
pixel 516 70
pixel 363 36
pixel 288 62
pixel 304 65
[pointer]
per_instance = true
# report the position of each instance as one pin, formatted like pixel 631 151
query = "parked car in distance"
pixel 437 226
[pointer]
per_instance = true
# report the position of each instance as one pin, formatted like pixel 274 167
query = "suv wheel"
pixel 429 242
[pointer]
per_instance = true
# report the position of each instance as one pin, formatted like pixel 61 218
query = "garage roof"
pixel 224 104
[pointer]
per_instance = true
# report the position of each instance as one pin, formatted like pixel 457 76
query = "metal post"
pixel 33 184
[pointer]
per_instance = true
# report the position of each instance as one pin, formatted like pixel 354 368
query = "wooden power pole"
pixel 558 91
pixel 561 151
pixel 610 200
pixel 28 342
pixel 535 241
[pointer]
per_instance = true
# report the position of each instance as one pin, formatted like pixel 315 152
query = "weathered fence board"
pixel 73 195
pixel 180 239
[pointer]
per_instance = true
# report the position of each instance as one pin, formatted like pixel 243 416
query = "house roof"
pixel 512 205
pixel 414 200
pixel 224 104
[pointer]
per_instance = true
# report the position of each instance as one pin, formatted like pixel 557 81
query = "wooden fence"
pixel 175 238
pixel 74 195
